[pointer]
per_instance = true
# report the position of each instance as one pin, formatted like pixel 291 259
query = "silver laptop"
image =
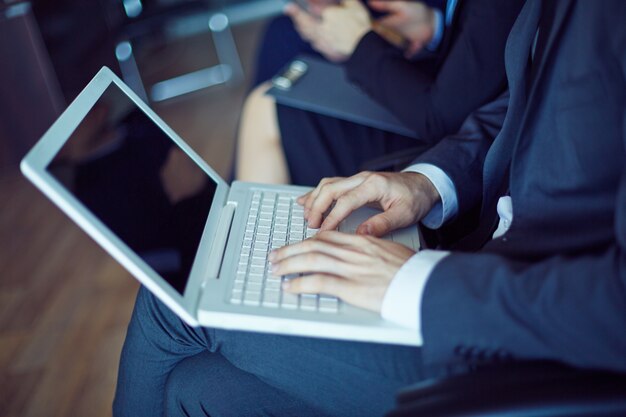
pixel 113 166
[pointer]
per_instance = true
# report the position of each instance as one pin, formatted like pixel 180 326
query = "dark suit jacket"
pixel 555 285
pixel 433 96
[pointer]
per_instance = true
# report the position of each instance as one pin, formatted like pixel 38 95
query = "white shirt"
pixel 403 299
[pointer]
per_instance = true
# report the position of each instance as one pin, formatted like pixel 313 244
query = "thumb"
pixel 291 9
pixel 383 5
pixel 383 223
pixel 353 4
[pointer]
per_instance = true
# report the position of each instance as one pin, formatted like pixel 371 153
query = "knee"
pixel 192 388
pixel 181 396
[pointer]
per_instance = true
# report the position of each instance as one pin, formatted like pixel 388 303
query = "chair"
pixel 175 19
pixel 28 84
pixel 537 389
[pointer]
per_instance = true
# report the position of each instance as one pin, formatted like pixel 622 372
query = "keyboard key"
pixel 289 301
pixel 261 246
pixel 271 298
pixel 308 302
pixel 280 228
pixel 257 270
pixel 263 239
pixel 329 305
pixel 259 253
pixel 255 278
pixel 253 286
pixel 272 285
pixel 252 298
pixel 260 230
pixel 235 297
pixel 258 262
pixel 265 223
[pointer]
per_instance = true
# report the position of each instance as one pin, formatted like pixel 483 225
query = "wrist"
pixel 424 187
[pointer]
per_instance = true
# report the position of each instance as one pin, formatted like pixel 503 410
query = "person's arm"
pixel 567 308
pixel 472 72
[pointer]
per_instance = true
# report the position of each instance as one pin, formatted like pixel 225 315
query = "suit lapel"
pixel 563 7
pixel 516 58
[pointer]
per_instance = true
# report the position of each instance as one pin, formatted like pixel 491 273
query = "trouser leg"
pixel 334 377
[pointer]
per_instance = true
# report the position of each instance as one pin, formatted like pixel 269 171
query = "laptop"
pixel 199 245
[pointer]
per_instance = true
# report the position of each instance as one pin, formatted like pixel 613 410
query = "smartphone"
pixel 291 75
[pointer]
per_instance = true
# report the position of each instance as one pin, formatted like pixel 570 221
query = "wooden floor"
pixel 65 304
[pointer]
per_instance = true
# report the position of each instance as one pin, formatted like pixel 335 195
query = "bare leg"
pixel 260 156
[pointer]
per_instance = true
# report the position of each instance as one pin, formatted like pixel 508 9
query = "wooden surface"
pixel 65 304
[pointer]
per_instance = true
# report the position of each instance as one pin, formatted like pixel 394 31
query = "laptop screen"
pixel 122 167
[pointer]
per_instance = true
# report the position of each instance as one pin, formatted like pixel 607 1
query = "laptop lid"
pixel 133 185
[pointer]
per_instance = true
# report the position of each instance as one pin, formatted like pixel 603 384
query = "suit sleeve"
pixel 567 308
pixel 461 156
pixel 435 103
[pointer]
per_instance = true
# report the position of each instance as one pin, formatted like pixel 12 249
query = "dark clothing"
pixel 281 43
pixel 432 95
pixel 329 147
pixel 554 285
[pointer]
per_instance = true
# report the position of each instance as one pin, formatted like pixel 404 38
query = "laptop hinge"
pixel 216 257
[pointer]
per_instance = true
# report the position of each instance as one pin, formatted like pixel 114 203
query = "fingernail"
pixel 367 229
pixel 272 256
pixel 275 268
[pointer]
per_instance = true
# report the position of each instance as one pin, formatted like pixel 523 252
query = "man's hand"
pixel 336 33
pixel 415 21
pixel 357 269
pixel 404 197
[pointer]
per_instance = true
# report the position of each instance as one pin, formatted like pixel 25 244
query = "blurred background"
pixel 64 303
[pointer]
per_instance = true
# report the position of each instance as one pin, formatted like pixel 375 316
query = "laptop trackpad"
pixel 407 236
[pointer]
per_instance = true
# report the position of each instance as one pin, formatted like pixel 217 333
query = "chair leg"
pixel 228 70
pixel 225 45
pixel 129 68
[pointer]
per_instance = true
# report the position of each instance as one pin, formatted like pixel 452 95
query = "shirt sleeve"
pixel 437 31
pixel 448 207
pixel 403 299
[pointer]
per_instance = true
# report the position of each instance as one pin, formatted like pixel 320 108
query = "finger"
pixel 381 224
pixel 301 200
pixel 305 23
pixel 312 195
pixel 320 284
pixel 328 246
pixel 353 4
pixel 313 262
pixel 413 49
pixel 327 194
pixel 391 21
pixel 340 238
pixel 384 6
pixel 345 204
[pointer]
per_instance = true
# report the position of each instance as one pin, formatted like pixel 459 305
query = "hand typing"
pixel 404 197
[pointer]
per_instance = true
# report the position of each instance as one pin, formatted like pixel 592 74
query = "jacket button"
pixel 460 350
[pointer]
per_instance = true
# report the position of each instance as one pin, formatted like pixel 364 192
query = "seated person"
pixel 281 42
pixel 547 280
pixel 432 94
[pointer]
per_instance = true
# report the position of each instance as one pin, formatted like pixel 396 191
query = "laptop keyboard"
pixel 274 220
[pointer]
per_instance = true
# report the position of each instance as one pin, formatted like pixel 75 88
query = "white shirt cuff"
pixel 449 205
pixel 403 300
pixel 437 31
